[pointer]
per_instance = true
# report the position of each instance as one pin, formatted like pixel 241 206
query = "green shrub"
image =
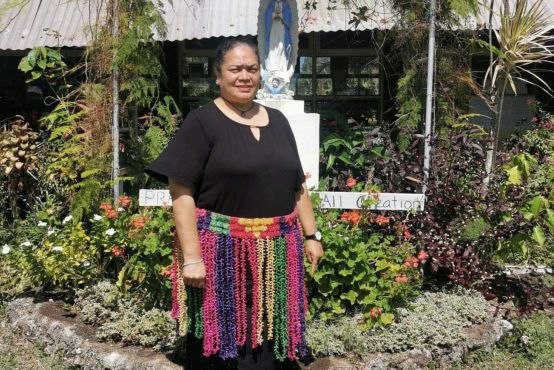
pixel 474 229
pixel 369 266
pixel 137 246
pixel 96 303
pixel 58 256
pixel 434 321
pixel 524 224
pixel 124 319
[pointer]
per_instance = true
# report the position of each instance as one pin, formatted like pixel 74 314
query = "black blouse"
pixel 230 171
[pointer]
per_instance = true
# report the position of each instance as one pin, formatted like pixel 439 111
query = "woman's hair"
pixel 231 43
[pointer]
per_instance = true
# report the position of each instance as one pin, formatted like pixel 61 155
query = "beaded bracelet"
pixel 193 262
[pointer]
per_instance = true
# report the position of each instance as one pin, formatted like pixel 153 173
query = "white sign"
pixel 385 201
pixel 154 197
pixel 337 200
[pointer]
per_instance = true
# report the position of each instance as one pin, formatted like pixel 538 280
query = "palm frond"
pixel 523 43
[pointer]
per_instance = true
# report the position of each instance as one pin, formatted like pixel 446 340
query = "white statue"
pixel 277 49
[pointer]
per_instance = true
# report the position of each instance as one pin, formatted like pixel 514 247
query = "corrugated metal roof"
pixel 379 16
pixel 69 22
pixel 187 19
pixel 48 23
pixel 197 19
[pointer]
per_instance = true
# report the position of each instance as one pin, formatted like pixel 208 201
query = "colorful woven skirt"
pixel 270 251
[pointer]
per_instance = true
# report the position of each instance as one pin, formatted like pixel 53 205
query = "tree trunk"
pixel 496 121
pixel 490 152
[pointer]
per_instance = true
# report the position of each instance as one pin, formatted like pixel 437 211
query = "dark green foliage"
pixel 474 229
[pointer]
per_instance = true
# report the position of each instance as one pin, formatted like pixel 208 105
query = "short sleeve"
pixel 185 156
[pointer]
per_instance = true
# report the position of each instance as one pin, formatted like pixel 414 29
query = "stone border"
pixel 76 342
pixel 72 340
pixel 518 270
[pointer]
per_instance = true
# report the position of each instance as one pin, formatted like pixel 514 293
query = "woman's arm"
pixel 313 248
pixel 184 215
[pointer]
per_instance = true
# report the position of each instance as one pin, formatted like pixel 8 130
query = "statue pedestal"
pixel 305 127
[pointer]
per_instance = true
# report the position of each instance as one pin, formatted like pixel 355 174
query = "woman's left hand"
pixel 314 251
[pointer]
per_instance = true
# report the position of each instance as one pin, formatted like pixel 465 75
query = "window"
pixel 334 70
pixel 196 60
pixel 338 70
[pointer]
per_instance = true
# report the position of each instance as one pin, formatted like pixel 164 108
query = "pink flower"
pixel 422 256
pixel 138 221
pixel 124 201
pixel 401 278
pixel 117 251
pixel 111 213
pixel 353 217
pixel 333 123
pixel 375 312
pixel 381 220
pixel 105 206
pixel 351 182
pixel 411 262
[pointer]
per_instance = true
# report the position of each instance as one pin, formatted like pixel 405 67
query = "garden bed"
pixel 63 333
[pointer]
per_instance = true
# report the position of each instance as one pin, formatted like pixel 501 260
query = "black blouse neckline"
pixel 238 123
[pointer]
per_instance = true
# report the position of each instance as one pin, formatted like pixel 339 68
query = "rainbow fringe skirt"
pixel 270 251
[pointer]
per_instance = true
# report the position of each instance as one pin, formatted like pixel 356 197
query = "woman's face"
pixel 239 77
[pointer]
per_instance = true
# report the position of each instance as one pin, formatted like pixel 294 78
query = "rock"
pixel 483 335
pixel 506 326
pixel 410 360
pixel 76 341
pixel 377 361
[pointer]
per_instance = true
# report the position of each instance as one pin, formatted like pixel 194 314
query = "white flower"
pixel 97 217
pixel 42 224
pixel 67 219
pixel 5 249
pixel 121 209
pixel 57 248
pixel 50 232
pixel 25 244
pixel 86 263
pixel 110 231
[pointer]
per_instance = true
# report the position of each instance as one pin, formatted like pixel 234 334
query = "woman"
pixel 237 187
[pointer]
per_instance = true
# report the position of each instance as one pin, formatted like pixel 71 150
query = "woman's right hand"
pixel 195 275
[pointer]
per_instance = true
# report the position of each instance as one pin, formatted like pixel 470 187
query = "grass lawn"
pixel 529 347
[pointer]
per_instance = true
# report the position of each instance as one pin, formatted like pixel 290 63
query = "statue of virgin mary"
pixel 277 50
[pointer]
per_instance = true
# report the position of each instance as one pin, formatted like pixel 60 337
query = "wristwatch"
pixel 314 236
